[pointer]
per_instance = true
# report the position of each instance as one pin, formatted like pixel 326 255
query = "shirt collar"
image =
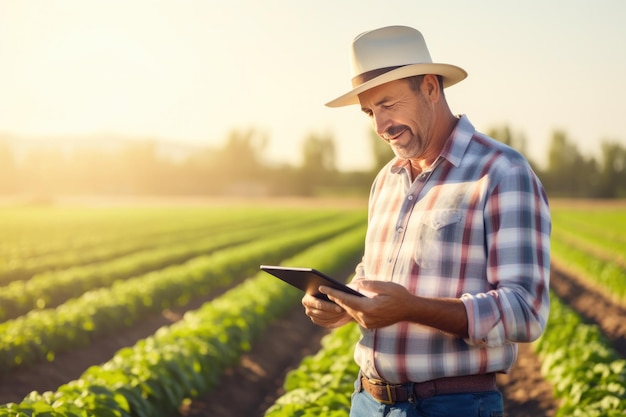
pixel 459 140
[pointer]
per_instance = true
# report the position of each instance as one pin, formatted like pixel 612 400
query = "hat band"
pixel 369 75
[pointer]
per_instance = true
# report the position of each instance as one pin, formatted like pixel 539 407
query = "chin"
pixel 405 154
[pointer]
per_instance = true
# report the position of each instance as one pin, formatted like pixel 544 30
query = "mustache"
pixel 392 131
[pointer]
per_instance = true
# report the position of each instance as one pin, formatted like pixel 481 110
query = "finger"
pixel 340 298
pixel 313 302
pixel 318 306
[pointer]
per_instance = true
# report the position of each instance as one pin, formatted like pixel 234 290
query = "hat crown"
pixel 391 46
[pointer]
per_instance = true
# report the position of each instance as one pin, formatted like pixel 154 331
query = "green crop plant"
pixel 40 334
pixel 152 378
pixel 588 376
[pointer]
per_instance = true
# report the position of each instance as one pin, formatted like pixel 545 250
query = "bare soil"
pixel 592 304
pixel 251 387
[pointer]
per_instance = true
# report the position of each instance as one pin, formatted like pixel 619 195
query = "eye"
pixel 367 112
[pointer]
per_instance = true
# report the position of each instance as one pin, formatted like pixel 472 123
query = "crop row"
pixel 152 378
pixel 23 267
pixel 42 333
pixel 126 239
pixel 605 275
pixel 322 383
pixel 587 375
pixel 50 289
pixel 87 229
pixel 603 230
pixel 607 220
pixel 591 246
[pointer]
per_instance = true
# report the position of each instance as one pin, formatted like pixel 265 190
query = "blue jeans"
pixel 473 404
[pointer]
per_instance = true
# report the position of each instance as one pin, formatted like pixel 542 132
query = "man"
pixel 456 262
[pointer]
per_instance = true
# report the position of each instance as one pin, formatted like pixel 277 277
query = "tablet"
pixel 308 280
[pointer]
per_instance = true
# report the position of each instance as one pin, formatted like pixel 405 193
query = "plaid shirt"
pixel 474 226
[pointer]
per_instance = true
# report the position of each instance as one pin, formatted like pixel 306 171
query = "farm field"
pixel 126 307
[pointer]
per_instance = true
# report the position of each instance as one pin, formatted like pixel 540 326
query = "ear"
pixel 430 87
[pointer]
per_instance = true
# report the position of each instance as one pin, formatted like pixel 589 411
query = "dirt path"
pixel 525 392
pixel 250 388
pixel 592 305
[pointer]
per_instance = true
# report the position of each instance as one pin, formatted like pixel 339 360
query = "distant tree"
pixel 197 175
pixel 318 162
pixel 613 171
pixel 240 159
pixel 569 174
pixel 506 136
pixel 516 140
pixel 319 153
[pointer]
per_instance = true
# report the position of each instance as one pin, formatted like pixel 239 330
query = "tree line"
pixel 570 174
pixel 240 168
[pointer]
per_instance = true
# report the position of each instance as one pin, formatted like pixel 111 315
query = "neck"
pixel 441 133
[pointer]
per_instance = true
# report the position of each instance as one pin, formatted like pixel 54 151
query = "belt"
pixel 386 393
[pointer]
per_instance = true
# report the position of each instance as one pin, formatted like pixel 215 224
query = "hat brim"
pixel 451 75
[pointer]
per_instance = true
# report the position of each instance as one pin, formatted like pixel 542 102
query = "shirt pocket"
pixel 436 232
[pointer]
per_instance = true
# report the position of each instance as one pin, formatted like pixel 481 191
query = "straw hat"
pixel 388 54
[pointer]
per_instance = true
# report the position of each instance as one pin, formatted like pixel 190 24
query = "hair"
pixel 416 82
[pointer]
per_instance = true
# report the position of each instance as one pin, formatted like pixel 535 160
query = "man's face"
pixel 400 116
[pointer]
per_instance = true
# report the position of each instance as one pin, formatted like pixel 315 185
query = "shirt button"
pixel 399 230
pixel 410 197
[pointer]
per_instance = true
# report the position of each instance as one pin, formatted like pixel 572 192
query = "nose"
pixel 381 124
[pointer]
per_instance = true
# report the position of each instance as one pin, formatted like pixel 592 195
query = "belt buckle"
pixel 390 400
pixel 379 382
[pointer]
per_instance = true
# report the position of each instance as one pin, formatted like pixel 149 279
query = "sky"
pixel 192 71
